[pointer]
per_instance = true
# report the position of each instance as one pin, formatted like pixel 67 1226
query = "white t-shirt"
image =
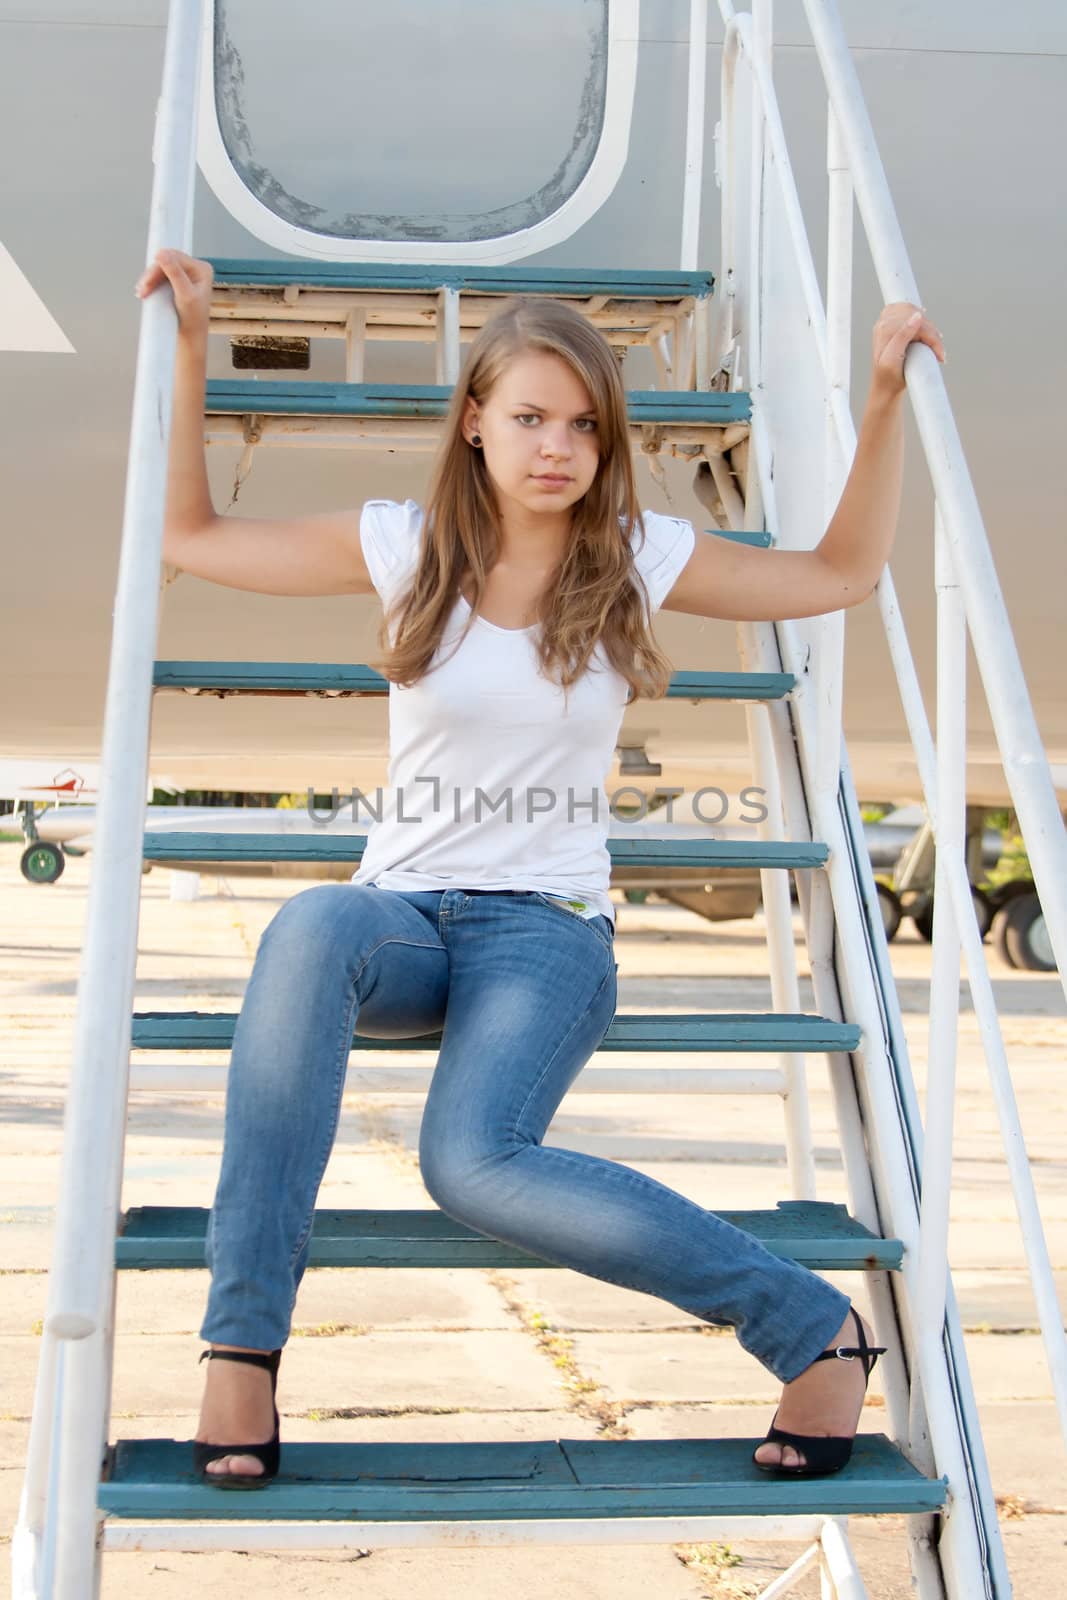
pixel 495 783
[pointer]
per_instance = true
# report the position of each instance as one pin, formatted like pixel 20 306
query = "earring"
pixel 476 440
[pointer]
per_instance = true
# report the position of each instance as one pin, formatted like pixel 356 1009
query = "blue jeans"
pixel 523 991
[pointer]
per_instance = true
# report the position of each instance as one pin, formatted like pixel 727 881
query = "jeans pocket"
pixel 600 925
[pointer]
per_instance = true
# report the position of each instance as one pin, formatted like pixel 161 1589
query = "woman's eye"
pixel 583 424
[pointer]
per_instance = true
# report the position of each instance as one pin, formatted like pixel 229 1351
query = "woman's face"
pixel 539 434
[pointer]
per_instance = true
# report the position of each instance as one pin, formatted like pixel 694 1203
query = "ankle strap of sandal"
pixel 867 1353
pixel 253 1357
pixel 850 1352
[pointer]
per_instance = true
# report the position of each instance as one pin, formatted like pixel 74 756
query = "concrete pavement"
pixel 456 1354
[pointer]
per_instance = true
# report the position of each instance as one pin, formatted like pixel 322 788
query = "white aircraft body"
pixel 360 124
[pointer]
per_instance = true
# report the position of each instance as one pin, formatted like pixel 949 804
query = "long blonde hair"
pixel 597 595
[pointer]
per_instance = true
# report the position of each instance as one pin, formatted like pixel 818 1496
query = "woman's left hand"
pixel 900 325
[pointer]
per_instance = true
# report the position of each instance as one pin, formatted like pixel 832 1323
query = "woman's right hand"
pixel 190 280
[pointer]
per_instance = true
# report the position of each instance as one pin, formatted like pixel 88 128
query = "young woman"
pixel 516 629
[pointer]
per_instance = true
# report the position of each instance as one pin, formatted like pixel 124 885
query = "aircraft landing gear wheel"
pixel 890 907
pixel 42 862
pixel 984 912
pixel 924 921
pixel 1022 935
pixel 999 942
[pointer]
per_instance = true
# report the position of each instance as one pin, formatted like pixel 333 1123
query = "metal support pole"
pixel 762 25
pixel 932 1271
pixel 447 335
pixel 702 341
pixel 694 134
pixel 830 630
pixel 781 949
pixel 726 177
pixel 840 1562
pixel 788 1579
pixel 34 1537
pixel 355 345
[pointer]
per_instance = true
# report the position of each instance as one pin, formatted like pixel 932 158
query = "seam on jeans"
pixel 342 1052
pixel 415 944
pixel 545 1068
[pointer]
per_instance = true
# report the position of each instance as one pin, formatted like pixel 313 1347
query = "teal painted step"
pixel 746 1031
pixel 762 538
pixel 641 285
pixel 816 1234
pixel 300 847
pixel 310 677
pixel 228 396
pixel 524 1479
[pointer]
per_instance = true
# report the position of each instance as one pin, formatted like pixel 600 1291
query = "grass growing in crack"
pixel 707 1557
pixel 583 1394
pixel 713 1564
pixel 329 1330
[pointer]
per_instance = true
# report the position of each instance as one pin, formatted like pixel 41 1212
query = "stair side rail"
pixel 96 1103
pixel 768 279
pixel 964 565
pixel 70 1409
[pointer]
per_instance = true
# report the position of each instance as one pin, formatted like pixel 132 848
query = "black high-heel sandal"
pixel 822 1455
pixel 269 1454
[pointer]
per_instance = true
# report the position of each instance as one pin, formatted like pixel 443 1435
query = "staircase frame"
pixel 894 1184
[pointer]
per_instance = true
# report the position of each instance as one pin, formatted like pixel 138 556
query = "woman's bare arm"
pixel 743 583
pixel 319 554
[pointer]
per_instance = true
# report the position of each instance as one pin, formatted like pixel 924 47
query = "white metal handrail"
pixel 1024 759
pixel 1025 763
pixel 967 592
pixel 96 1104
pixel 70 1415
pixel 895 1194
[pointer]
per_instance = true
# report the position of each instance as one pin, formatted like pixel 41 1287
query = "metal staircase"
pixel 84 1496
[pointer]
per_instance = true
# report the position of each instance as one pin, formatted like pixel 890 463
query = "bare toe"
pixel 245 1466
